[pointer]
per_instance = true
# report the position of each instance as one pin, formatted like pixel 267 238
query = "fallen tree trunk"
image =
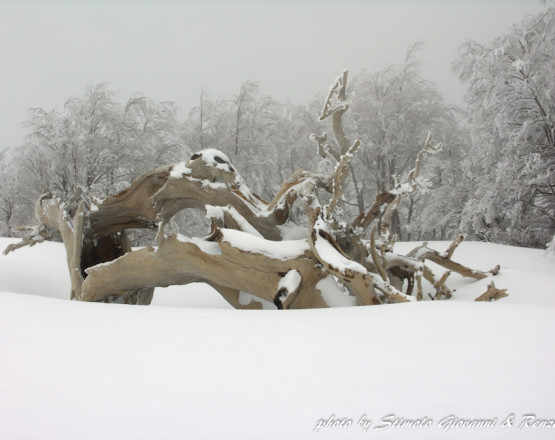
pixel 229 258
pixel 245 257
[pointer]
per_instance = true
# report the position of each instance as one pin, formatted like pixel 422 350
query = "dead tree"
pixel 244 256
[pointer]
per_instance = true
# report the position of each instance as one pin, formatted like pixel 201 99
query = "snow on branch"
pixel 423 252
pixel 289 285
pixel 353 274
pixel 409 185
pixel 33 235
pixel 339 175
pixel 338 88
pixel 335 109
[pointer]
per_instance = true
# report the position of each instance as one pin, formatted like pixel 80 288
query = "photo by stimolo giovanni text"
pixel 523 422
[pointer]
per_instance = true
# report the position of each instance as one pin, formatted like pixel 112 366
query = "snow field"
pixel 201 370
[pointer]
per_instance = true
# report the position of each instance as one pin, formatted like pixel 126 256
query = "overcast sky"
pixel 170 50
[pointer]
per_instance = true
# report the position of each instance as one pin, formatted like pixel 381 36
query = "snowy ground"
pixel 190 367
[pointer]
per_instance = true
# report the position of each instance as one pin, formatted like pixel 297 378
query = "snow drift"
pixel 203 370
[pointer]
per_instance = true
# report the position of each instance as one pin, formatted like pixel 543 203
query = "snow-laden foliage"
pixel 391 109
pixel 100 145
pixel 96 143
pixel 92 143
pixel 511 99
pixel 11 202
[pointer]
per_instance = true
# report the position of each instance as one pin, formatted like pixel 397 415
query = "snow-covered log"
pixel 246 256
pixel 231 261
pixel 206 180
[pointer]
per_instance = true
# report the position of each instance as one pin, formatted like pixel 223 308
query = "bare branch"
pixel 339 175
pixel 365 219
pixel 336 111
pixel 423 252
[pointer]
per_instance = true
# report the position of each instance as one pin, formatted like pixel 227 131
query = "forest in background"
pixel 494 179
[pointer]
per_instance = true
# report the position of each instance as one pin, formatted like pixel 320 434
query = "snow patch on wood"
pixel 279 250
pixel 179 170
pixel 220 211
pixel 333 295
pixel 330 255
pixel 208 247
pixel 246 299
pixel 290 282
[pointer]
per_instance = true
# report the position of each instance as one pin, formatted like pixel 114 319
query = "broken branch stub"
pixel 492 293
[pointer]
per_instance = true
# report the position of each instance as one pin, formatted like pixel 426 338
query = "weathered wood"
pixel 355 276
pixel 423 252
pixel 364 219
pixel 375 257
pixel 158 195
pixel 34 235
pixel 181 261
pixel 69 219
pixel 245 258
pixel 339 175
pixel 492 293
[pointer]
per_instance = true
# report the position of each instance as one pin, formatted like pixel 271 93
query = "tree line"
pixel 493 179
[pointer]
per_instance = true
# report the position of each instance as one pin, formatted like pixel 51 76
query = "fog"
pixel 171 50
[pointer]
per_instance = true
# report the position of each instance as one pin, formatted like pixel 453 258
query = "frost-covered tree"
pixel 511 90
pixel 11 200
pixel 435 212
pixel 205 127
pixel 96 144
pixel 151 133
pixel 77 147
pixel 256 137
pixel 260 135
pixel 390 110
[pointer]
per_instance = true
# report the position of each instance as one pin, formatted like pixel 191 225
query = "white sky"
pixel 170 50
